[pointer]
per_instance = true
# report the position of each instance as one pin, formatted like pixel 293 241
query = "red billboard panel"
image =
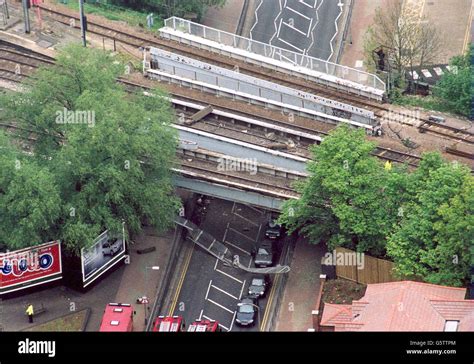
pixel 31 266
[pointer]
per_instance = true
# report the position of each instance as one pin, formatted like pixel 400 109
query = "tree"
pixel 109 152
pixel 408 41
pixel 29 199
pixel 349 199
pixel 455 87
pixel 436 232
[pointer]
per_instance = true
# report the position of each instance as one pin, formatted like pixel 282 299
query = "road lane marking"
pixel 181 281
pixel 225 292
pixel 291 45
pixel 297 12
pixel 208 288
pixel 219 305
pixel 269 303
pixel 228 275
pixel 233 320
pixel 292 27
pixel 200 315
pixel 241 234
pixel 244 218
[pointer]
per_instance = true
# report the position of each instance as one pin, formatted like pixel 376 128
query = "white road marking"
pixel 291 45
pixel 215 265
pixel 210 319
pixel 292 27
pixel 219 305
pixel 298 13
pixel 309 28
pixel 256 17
pixel 242 290
pixel 229 275
pixel 208 288
pixel 200 315
pixel 233 320
pixel 277 29
pixel 225 292
pixel 308 5
pixel 237 247
pixel 244 218
pixel 337 31
pixel 226 229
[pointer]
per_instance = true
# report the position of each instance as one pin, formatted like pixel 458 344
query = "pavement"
pixel 307 27
pixel 125 285
pixel 302 288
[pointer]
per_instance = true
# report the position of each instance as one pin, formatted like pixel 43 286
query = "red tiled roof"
pixel 403 306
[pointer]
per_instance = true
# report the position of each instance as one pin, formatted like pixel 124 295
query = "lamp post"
pixel 145 298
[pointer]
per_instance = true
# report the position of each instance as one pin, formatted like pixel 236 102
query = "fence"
pixel 374 270
pixel 276 53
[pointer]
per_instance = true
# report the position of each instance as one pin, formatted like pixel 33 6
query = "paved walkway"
pixel 123 285
pixel 302 288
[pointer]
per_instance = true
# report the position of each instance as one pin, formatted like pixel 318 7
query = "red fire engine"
pixel 204 326
pixel 117 317
pixel 169 324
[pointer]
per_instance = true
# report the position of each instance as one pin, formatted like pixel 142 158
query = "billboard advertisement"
pixel 30 266
pixel 104 253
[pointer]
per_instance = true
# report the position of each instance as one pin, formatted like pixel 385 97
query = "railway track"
pixel 302 136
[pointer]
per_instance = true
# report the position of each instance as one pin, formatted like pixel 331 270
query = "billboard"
pixel 103 254
pixel 30 266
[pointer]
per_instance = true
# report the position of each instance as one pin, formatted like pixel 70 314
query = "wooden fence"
pixel 374 270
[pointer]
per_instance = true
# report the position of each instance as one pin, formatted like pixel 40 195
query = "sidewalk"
pixel 302 288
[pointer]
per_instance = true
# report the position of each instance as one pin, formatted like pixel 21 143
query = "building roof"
pixel 403 306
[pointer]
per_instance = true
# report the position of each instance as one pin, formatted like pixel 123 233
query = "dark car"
pixel 273 230
pixel 263 255
pixel 247 310
pixel 258 286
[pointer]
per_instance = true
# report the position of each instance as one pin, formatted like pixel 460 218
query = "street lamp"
pixel 145 298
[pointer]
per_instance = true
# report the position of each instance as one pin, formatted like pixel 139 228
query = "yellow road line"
pixel 181 281
pixel 269 302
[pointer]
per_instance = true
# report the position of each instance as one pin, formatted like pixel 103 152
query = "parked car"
pixel 111 247
pixel 247 310
pixel 273 230
pixel 258 286
pixel 263 255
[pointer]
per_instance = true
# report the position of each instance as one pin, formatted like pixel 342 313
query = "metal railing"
pixel 276 53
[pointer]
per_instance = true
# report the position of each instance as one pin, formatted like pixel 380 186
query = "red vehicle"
pixel 204 326
pixel 117 317
pixel 169 324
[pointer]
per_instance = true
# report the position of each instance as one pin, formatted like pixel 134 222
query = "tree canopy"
pixel 101 155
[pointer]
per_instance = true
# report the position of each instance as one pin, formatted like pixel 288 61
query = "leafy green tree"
pixel 349 199
pixel 455 87
pixel 434 237
pixel 109 152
